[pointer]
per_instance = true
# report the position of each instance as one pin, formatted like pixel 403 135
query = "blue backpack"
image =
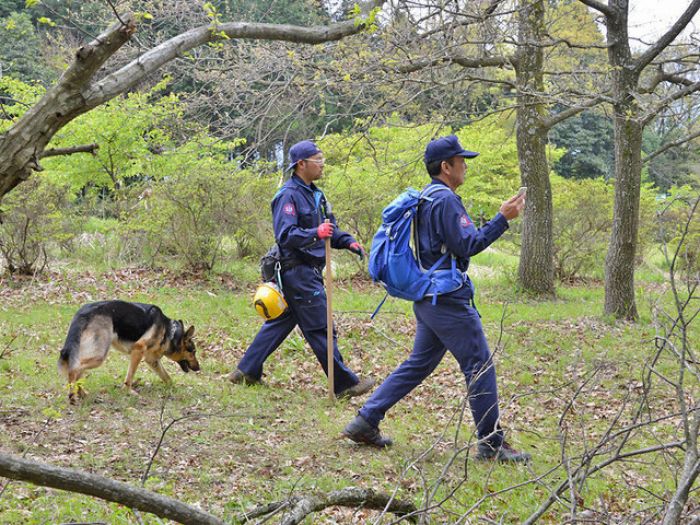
pixel 392 262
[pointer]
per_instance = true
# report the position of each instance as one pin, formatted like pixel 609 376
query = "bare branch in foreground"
pixel 93 485
pixel 72 480
pixel 302 506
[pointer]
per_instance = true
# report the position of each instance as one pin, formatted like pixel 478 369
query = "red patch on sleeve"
pixel 464 221
pixel 288 209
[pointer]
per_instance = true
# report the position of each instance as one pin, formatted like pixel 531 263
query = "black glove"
pixel 357 249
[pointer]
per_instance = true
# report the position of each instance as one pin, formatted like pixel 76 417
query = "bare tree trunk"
pixel 629 125
pixel 619 263
pixel 536 270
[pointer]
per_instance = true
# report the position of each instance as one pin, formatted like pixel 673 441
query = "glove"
pixel 357 248
pixel 325 230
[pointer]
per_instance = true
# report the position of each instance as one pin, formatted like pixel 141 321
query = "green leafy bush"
pixel 679 230
pixel 200 207
pixel 583 213
pixel 35 219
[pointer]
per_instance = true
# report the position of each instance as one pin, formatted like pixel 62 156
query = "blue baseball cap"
pixel 444 148
pixel 301 151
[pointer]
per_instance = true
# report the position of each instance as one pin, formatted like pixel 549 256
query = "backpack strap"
pixel 376 310
pixel 426 195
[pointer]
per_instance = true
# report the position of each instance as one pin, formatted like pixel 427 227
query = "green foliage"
pixel 674 167
pixel 16 97
pixel 129 131
pixel 34 220
pixel 199 207
pixel 298 12
pixel 679 230
pixel 588 140
pixel 17 38
pixel 583 211
pixel 582 221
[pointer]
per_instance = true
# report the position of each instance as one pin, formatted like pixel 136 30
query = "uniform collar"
pixel 438 181
pixel 296 179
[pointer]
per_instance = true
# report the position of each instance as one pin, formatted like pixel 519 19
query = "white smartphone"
pixel 522 190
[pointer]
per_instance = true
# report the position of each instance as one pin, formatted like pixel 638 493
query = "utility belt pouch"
pixel 271 264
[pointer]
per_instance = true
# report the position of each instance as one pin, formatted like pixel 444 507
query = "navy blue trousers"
pixel 451 324
pixel 306 297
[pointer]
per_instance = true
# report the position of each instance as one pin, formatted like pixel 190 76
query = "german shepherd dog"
pixel 140 330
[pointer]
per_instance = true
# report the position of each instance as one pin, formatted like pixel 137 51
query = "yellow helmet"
pixel 269 301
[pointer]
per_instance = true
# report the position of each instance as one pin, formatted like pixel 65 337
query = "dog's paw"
pixel 130 389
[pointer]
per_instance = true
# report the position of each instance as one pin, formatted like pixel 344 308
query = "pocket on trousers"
pixel 311 313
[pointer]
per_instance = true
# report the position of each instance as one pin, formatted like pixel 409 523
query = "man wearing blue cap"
pixel 299 211
pixel 449 321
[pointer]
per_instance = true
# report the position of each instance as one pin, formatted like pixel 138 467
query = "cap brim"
pixel 468 154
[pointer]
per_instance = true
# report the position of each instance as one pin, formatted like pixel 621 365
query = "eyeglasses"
pixel 317 161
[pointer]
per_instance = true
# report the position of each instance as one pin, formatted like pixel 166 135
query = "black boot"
pixel 505 453
pixel 362 387
pixel 238 377
pixel 360 431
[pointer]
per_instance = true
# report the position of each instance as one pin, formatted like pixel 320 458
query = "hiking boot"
pixel 238 376
pixel 362 387
pixel 505 453
pixel 359 431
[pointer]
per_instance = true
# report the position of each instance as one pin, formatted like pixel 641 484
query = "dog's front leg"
pixel 136 355
pixel 157 367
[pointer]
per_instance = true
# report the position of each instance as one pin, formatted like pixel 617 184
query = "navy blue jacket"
pixel 297 211
pixel 445 223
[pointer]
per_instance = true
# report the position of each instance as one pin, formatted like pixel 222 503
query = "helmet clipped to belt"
pixel 269 301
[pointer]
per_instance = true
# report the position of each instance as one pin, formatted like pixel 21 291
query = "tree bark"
pixel 347 497
pixel 619 262
pixel 536 269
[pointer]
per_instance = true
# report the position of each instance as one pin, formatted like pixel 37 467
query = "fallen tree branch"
pixel 93 485
pixel 303 506
pixel 72 480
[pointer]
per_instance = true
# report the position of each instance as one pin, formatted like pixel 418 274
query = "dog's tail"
pixel 69 352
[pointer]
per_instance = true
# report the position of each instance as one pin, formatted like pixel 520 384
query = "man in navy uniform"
pixel 449 321
pixel 299 211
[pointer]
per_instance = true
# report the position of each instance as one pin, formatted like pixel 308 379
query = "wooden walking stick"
pixel 329 321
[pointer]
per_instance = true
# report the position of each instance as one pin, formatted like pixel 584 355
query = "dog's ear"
pixel 190 332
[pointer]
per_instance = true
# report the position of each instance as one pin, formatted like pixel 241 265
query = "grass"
pixel 240 446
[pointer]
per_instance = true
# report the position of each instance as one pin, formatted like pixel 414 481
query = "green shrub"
pixel 679 231
pixel 201 208
pixel 36 217
pixel 583 213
